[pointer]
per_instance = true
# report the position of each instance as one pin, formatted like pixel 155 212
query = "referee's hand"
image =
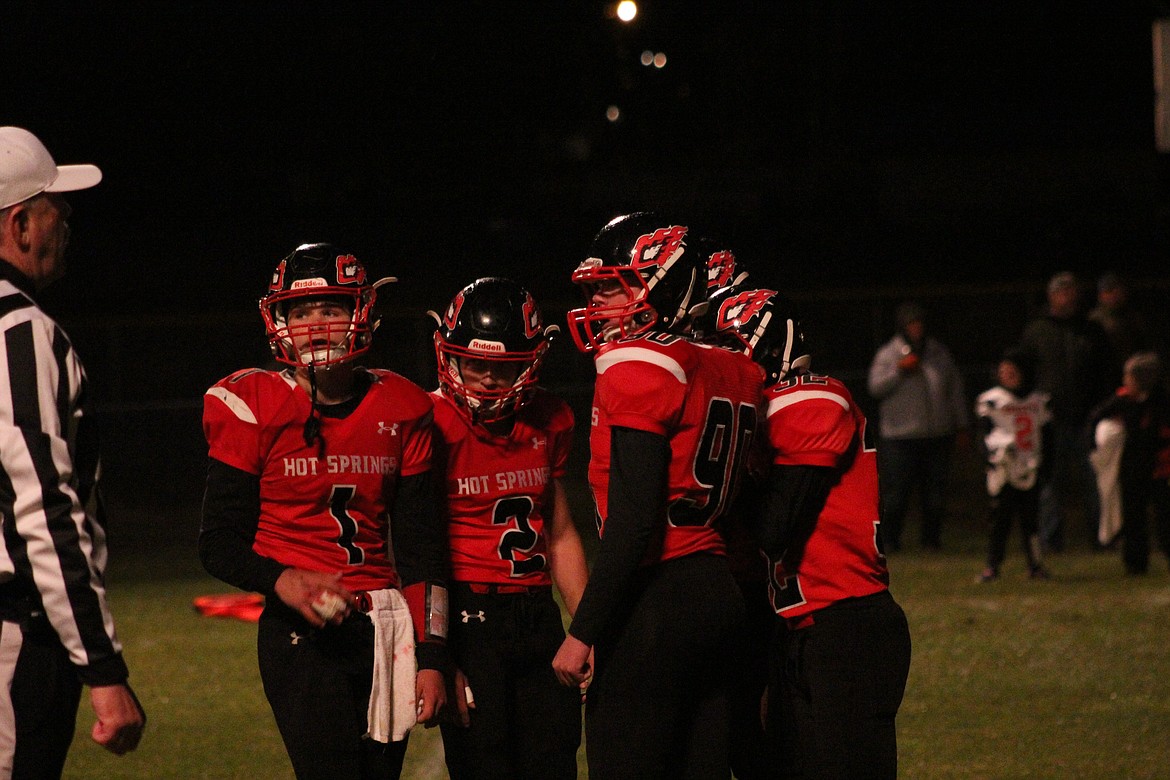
pixel 120 718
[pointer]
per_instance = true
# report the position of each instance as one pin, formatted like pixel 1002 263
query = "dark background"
pixel 852 152
pixel 834 143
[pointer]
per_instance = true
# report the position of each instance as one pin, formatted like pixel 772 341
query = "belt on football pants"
pixel 492 588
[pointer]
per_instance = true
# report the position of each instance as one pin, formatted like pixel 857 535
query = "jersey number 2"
pixel 517 510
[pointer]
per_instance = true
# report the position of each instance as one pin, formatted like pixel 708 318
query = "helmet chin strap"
pixel 312 431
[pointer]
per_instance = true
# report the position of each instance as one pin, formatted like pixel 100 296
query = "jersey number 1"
pixel 339 500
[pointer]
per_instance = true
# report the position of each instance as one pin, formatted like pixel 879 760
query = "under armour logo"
pixel 537 443
pixel 477 615
pixel 392 427
pixel 296 638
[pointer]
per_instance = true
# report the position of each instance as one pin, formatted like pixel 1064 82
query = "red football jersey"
pixel 813 421
pixel 499 489
pixel 704 400
pixel 323 511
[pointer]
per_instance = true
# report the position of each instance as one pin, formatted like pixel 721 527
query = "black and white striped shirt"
pixel 53 546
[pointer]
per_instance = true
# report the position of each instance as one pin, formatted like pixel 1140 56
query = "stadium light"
pixel 627 10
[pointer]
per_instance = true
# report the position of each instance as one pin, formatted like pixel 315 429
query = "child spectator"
pixel 1143 408
pixel 1013 415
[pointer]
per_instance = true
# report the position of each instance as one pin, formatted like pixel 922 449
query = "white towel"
pixel 1106 460
pixel 392 712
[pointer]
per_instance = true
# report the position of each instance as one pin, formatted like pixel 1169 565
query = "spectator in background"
pixel 922 408
pixel 1012 417
pixel 1074 364
pixel 1143 408
pixel 1123 324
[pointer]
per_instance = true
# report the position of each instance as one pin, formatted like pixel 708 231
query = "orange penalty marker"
pixel 241 606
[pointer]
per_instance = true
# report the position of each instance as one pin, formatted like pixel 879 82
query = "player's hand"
pixel 584 686
pixel 463 698
pixel 573 664
pixel 430 691
pixel 120 718
pixel 909 362
pixel 299 588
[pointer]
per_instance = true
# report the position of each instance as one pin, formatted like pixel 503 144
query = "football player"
pixel 841 655
pixel 503 445
pixel 748 657
pixel 319 490
pixel 671 423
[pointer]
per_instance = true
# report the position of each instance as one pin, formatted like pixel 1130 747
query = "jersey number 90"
pixel 723 451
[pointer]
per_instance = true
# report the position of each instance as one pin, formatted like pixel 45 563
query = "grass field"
pixel 1068 678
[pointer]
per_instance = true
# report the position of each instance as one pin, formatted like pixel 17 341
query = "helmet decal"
pixel 531 314
pixel 720 269
pixel 349 270
pixel 451 316
pixel 741 308
pixel 278 276
pixel 661 248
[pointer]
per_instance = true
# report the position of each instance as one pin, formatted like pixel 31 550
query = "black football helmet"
pixel 325 272
pixel 495 320
pixel 763 325
pixel 723 269
pixel 648 258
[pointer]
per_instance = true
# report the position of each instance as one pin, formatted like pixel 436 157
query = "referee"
pixel 57 632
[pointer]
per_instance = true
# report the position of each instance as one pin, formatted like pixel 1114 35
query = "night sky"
pixel 831 143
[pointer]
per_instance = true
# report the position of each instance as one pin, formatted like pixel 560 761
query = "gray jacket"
pixel 924 403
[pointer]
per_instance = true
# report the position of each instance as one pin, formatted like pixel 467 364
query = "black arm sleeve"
pixel 793 500
pixel 231 513
pixel 418 534
pixel 638 476
pixel 418 531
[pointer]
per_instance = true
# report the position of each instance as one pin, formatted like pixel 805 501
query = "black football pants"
pixel 835 689
pixel 658 703
pixel 1014 503
pixel 525 725
pixel 318 685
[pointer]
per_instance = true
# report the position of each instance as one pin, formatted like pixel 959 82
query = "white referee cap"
pixel 27 169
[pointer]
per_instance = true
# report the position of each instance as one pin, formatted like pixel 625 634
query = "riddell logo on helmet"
pixel 300 284
pixel 480 345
